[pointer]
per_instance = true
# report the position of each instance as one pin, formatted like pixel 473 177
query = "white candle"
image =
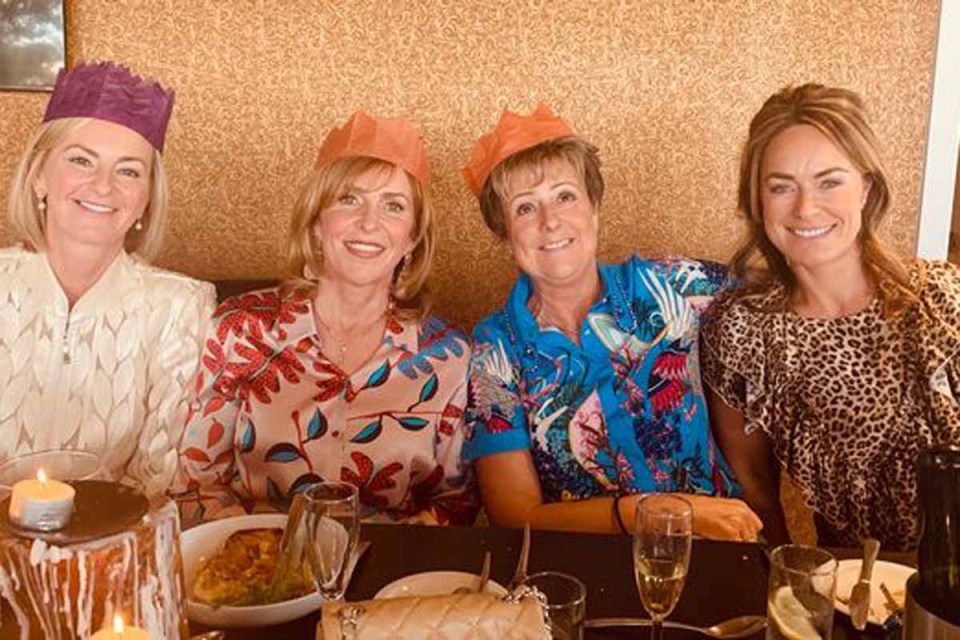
pixel 41 504
pixel 121 632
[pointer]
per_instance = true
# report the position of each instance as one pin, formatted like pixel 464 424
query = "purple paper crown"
pixel 107 91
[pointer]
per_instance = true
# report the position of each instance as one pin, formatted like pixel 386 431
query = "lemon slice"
pixel 790 616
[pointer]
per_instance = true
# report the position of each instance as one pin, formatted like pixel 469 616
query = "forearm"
pixel 594 515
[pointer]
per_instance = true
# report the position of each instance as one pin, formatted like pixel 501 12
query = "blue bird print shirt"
pixel 624 411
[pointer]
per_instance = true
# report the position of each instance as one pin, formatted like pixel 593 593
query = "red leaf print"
pixel 223 457
pixel 446 428
pixel 197 455
pixel 215 434
pixel 213 359
pixel 370 485
pixel 452 411
pixel 215 404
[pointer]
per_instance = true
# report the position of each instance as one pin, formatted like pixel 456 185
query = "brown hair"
pixel 24 211
pixel 581 155
pixel 840 115
pixel 410 291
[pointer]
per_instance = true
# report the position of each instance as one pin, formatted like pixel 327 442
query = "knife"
pixel 860 596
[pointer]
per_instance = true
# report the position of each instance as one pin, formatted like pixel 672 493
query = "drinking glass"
pixel 59 464
pixel 800 597
pixel 662 542
pixel 331 519
pixel 566 603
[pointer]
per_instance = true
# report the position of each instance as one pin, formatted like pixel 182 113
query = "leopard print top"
pixel 847 403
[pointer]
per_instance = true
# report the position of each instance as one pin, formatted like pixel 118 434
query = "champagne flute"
pixel 332 519
pixel 662 540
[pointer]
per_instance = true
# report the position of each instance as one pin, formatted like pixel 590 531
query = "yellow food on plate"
pixel 241 572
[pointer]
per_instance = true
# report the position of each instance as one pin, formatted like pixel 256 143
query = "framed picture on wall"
pixel 32 48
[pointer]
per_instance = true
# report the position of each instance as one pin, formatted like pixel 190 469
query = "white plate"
pixel 203 541
pixel 435 583
pixel 893 575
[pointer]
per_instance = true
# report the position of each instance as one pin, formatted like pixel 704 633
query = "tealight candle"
pixel 41 504
pixel 121 632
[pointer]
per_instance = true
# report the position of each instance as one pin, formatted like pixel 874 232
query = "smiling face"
pixel 812 196
pixel 367 229
pixel 96 184
pixel 551 224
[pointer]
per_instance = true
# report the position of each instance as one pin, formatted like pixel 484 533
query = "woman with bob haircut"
pixel 836 359
pixel 584 391
pixel 339 373
pixel 97 347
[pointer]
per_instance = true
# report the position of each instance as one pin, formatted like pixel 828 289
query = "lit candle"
pixel 121 632
pixel 41 504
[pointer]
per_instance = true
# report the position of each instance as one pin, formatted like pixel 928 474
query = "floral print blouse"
pixel 111 375
pixel 621 413
pixel 273 414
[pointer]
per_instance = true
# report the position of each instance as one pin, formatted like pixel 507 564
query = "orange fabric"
pixel 513 134
pixel 395 140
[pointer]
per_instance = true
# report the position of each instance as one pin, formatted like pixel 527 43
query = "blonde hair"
pixel 581 155
pixel 410 291
pixel 839 115
pixel 24 210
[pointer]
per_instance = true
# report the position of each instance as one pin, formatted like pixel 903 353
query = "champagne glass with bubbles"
pixel 332 519
pixel 662 541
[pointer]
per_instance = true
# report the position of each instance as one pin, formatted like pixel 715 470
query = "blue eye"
pixel 830 183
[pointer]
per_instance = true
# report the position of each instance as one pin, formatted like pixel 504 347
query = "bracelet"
pixel 619 518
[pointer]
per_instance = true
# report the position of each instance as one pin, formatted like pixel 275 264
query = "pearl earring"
pixel 139 225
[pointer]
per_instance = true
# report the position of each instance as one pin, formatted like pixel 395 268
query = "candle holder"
pixel 118 555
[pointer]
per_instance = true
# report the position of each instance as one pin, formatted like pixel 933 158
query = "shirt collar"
pixel 112 289
pixel 402 334
pixel 613 299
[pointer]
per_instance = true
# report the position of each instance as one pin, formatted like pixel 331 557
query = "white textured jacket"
pixel 109 376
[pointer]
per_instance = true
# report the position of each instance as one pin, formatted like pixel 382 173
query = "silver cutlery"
pixel 740 627
pixel 860 596
pixel 520 574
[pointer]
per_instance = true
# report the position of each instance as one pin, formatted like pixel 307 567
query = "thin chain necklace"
pixel 341 345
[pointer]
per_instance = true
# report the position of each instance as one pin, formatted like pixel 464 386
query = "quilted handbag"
pixel 468 616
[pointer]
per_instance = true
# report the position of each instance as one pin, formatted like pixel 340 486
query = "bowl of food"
pixel 228 568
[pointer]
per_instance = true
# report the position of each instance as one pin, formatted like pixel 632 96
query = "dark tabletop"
pixel 725 579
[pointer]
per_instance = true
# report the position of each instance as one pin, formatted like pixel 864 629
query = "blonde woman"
pixel 96 346
pixel 339 374
pixel 836 361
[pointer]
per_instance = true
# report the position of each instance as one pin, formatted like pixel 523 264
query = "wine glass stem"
pixel 656 629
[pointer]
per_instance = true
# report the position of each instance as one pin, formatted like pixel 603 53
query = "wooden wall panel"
pixel 664 88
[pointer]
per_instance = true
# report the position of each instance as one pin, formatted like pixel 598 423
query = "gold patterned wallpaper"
pixel 664 88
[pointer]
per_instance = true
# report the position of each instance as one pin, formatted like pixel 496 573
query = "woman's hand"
pixel 723 518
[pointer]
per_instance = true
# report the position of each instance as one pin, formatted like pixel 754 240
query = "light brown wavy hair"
pixel 840 115
pixel 410 291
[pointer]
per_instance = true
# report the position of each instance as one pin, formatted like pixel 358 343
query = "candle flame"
pixel 42 476
pixel 117 624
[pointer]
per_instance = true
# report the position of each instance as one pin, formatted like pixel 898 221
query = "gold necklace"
pixel 341 345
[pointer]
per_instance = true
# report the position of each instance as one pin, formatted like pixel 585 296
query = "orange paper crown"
pixel 395 140
pixel 513 134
